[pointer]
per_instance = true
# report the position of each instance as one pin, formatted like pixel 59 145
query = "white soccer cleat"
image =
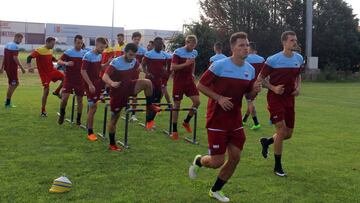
pixel 133 118
pixel 219 196
pixel 194 169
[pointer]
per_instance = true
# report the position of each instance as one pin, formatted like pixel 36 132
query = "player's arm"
pixel 106 78
pixel 33 54
pixel 86 78
pixel 297 86
pixel 16 59
pixel 265 80
pixel 2 67
pixel 64 61
pixel 175 63
pixel 54 59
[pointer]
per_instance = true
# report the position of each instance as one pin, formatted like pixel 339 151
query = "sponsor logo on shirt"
pixel 246 74
pixel 216 146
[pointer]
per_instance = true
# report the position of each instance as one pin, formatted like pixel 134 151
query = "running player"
pixel 224 126
pixel 183 65
pixel 218 49
pixel 72 60
pixel 154 67
pixel 257 62
pixel 10 65
pixel 44 61
pixel 281 75
pixel 119 48
pixel 90 71
pixel 118 77
pixel 136 38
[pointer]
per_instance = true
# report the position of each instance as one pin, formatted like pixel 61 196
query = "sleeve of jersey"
pixel 175 59
pixel 266 70
pixel 34 54
pixel 85 64
pixel 208 78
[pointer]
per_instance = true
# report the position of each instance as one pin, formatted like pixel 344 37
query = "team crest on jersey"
pixel 246 74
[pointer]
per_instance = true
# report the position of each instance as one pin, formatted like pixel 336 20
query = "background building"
pixel 148 35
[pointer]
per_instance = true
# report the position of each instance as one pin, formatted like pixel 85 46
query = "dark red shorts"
pixel 189 89
pixel 12 76
pixel 77 88
pixel 218 140
pixel 53 76
pixel 282 108
pixel 95 96
pixel 119 96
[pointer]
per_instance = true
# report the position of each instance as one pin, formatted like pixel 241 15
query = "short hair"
pixel 50 39
pixel 19 35
pixel 120 35
pixel 151 42
pixel 101 40
pixel 252 45
pixel 192 38
pixel 157 38
pixel 218 46
pixel 131 47
pixel 78 37
pixel 284 35
pixel 136 34
pixel 238 35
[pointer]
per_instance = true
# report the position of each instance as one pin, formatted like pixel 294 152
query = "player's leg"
pixel 247 114
pixel 280 135
pixel 146 86
pixel 79 101
pixel 63 103
pixel 175 115
pixel 56 76
pixel 165 93
pixel 44 100
pixel 90 120
pixel 11 89
pixel 195 104
pixel 112 130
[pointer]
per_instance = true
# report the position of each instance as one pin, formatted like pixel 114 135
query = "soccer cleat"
pixel 194 169
pixel 92 137
pixel 187 127
pixel 174 136
pixel 264 147
pixel 61 119
pixel 133 119
pixel 10 106
pixel 150 125
pixel 256 127
pixel 152 108
pixel 115 148
pixel 279 172
pixel 219 195
pixel 43 114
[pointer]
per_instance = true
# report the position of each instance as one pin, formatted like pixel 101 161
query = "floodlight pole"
pixel 112 24
pixel 309 25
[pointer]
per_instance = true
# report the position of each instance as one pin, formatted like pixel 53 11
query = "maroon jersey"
pixel 184 75
pixel 73 73
pixel 92 64
pixel 156 65
pixel 11 50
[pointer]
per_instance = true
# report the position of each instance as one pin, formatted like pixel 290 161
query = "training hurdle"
pixel 71 120
pixel 192 140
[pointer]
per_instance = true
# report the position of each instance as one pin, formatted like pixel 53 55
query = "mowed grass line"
pixel 322 159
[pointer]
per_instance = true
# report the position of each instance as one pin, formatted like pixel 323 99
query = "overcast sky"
pixel 133 14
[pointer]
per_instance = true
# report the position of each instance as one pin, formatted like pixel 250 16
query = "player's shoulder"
pixel 141 50
pixel 119 63
pixel 298 57
pixel 271 60
pixel 43 50
pixel 12 46
pixel 218 66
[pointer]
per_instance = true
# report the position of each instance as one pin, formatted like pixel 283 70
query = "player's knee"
pixel 218 162
pixel 234 159
pixel 196 103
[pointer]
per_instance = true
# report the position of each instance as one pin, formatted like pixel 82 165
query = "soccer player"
pixel 107 55
pixel 150 46
pixel 257 62
pixel 166 77
pixel 183 65
pixel 224 126
pixel 281 75
pixel 72 60
pixel 44 61
pixel 136 38
pixel 90 71
pixel 119 48
pixel 154 67
pixel 10 65
pixel 218 49
pixel 118 77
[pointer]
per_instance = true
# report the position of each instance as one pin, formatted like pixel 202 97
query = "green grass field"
pixel 322 160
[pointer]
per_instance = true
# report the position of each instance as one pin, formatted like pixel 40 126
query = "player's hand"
pixel 296 92
pixel 115 84
pixel 92 89
pixel 257 86
pixel 279 89
pixel 189 61
pixel 225 103
pixel 69 63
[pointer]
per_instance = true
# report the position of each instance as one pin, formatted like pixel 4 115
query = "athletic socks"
pixel 245 118
pixel 270 141
pixel 277 161
pixel 90 131
pixel 62 111
pixel 256 122
pixel 149 101
pixel 218 185
pixel 7 102
pixel 112 138
pixel 198 162
pixel 188 118
pixel 174 127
